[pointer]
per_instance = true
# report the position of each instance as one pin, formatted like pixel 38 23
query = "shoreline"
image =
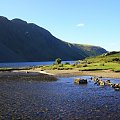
pixel 75 72
pixel 26 75
pixel 60 73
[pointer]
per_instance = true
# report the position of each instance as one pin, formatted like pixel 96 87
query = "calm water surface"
pixel 59 100
pixel 29 64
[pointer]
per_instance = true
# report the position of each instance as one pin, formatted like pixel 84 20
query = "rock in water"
pixel 83 81
pixel 77 80
pixel 80 81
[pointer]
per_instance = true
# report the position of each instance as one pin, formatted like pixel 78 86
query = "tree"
pixel 58 61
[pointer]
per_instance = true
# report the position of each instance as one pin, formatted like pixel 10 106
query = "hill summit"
pixel 21 41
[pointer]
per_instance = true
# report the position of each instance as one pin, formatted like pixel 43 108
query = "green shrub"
pixel 101 64
pixel 73 65
pixel 89 62
pixel 60 65
pixel 85 65
pixel 54 68
pixel 116 59
pixel 79 65
pixel 67 63
pixel 58 61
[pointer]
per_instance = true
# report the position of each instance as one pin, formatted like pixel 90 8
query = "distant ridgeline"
pixel 112 53
pixel 21 41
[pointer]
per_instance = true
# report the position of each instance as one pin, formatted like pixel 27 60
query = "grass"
pixel 85 67
pixel 58 67
pixel 102 62
pixel 104 58
pixel 102 66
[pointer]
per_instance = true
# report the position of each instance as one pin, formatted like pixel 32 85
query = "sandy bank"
pixel 76 72
pixel 60 73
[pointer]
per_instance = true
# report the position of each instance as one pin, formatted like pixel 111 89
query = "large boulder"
pixel 80 81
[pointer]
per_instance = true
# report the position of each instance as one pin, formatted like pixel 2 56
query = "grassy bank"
pixel 101 66
pixel 107 65
pixel 85 66
pixel 109 61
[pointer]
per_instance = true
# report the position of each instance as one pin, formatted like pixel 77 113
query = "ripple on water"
pixel 61 99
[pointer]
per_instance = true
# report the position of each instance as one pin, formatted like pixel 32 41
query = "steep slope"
pixel 91 50
pixel 22 41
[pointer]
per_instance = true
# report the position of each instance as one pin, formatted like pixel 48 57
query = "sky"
pixel 94 22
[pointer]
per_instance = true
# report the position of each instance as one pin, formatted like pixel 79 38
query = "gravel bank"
pixel 76 72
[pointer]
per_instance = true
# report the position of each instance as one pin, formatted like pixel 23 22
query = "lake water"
pixel 59 100
pixel 29 64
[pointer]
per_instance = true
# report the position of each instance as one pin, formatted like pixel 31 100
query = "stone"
pixel 80 81
pixel 77 80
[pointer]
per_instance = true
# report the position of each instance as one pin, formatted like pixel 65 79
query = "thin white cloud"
pixel 80 25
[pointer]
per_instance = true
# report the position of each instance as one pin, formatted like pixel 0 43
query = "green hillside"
pixel 104 58
pixel 107 61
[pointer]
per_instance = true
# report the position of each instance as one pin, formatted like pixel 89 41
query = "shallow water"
pixel 61 100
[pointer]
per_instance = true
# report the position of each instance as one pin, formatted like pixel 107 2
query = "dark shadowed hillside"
pixel 91 50
pixel 22 41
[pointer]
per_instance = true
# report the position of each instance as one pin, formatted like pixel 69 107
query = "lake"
pixel 29 64
pixel 58 100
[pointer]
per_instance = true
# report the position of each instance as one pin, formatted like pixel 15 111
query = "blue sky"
pixel 95 22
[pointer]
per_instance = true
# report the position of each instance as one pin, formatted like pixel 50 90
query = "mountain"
pixel 21 41
pixel 90 50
